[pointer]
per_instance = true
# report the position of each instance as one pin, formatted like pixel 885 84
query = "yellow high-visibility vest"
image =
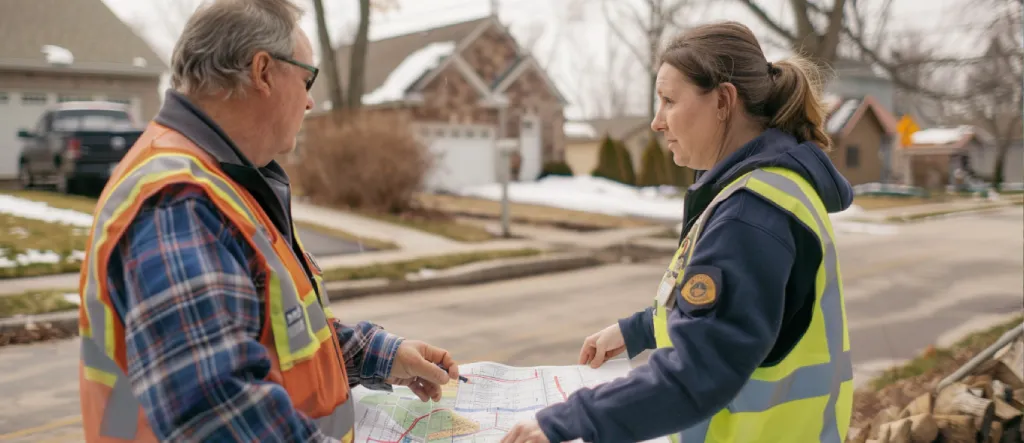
pixel 808 396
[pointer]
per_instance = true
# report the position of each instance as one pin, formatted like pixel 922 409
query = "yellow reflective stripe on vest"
pixel 794 378
pixel 98 353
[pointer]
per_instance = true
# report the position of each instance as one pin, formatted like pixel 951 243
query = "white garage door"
pixel 464 155
pixel 18 110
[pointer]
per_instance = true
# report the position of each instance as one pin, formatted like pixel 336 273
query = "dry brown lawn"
pixel 527 213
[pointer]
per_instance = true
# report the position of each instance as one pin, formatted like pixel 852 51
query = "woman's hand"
pixel 600 347
pixel 525 432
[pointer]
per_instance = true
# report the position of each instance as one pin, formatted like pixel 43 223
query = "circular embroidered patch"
pixel 699 290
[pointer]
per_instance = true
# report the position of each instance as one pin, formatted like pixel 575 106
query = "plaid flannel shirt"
pixel 188 287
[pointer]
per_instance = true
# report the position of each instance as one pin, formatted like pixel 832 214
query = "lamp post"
pixel 504 147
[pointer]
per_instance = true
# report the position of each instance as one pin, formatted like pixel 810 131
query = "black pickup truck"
pixel 75 145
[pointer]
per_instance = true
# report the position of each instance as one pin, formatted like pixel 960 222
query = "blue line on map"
pixel 528 408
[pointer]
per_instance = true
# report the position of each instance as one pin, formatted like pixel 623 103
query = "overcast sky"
pixel 573 35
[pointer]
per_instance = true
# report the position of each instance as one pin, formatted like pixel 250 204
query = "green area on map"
pixel 426 421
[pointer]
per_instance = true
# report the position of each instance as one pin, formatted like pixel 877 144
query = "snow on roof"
pixel 831 101
pixel 940 136
pixel 411 69
pixel 57 55
pixel 842 115
pixel 579 130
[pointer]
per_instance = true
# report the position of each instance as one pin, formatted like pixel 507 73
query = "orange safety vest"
pixel 304 350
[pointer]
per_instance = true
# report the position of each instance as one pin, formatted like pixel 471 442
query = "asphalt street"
pixel 917 285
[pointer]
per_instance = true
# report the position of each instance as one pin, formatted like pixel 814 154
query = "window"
pixel 120 100
pixel 91 120
pixel 73 98
pixel 852 156
pixel 33 98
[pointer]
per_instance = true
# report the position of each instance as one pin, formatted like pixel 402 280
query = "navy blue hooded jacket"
pixel 767 262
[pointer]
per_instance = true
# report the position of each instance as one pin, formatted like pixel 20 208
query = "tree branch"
pixel 640 55
pixel 769 21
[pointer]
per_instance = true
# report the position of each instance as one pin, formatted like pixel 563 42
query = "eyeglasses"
pixel 313 69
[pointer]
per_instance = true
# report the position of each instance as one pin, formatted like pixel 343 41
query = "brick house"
pixel 67 50
pixel 864 139
pixel 452 81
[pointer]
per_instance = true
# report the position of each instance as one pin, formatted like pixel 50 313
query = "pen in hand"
pixel 461 378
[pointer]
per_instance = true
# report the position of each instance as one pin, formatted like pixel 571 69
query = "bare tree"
pixel 328 63
pixel 652 21
pixel 357 59
pixel 162 23
pixel 813 36
pixel 603 84
pixel 992 97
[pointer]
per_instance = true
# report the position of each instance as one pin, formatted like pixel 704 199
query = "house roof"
pixel 97 39
pixel 385 55
pixel 411 60
pixel 942 140
pixel 843 114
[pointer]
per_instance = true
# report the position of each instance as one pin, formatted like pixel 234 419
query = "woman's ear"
pixel 728 97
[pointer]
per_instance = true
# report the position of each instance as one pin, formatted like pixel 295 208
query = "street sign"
pixel 906 128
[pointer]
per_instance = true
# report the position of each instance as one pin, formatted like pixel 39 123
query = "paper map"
pixel 483 410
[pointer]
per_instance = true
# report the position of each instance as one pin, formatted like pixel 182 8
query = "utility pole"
pixel 495 4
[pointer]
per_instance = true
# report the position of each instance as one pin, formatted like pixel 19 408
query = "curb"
pixel 38 328
pixel 474 273
pixel 55 319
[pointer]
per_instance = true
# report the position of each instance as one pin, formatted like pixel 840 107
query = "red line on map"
pixel 560 391
pixel 407 431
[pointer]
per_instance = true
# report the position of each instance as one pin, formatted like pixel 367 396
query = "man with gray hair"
pixel 203 318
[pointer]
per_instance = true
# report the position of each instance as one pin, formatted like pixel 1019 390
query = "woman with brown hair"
pixel 748 321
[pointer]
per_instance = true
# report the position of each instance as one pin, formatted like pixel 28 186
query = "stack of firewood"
pixel 983 404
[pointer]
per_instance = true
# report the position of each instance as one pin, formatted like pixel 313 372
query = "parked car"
pixel 76 144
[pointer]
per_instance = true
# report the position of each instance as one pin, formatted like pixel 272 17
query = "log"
pixel 982 382
pixel 1018 399
pixel 957 399
pixel 956 428
pixel 923 404
pixel 1006 374
pixel 860 435
pixel 896 432
pixel 975 364
pixel 920 428
pixel 1004 412
pixel 995 434
pixel 1001 391
pixel 1012 358
pixel 984 428
pixel 884 416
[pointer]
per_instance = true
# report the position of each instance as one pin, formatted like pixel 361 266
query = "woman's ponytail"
pixel 794 102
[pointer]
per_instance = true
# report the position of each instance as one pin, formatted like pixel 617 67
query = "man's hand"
pixel 525 432
pixel 602 346
pixel 415 366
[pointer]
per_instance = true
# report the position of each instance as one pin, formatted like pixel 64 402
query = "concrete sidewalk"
pixel 950 207
pixel 413 244
pixel 70 281
pixel 405 238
